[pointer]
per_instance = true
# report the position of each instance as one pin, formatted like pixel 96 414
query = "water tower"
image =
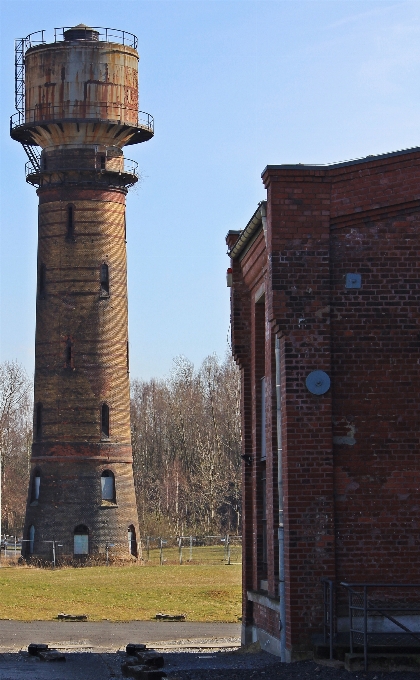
pixel 77 107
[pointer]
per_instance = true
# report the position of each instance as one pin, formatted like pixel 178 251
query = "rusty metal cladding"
pixel 81 108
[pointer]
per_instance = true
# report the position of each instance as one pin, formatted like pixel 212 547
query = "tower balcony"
pixel 82 165
pixel 82 123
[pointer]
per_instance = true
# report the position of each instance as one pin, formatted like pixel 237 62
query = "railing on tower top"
pixel 105 34
pixel 98 111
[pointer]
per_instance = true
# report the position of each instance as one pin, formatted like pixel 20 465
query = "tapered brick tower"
pixel 77 99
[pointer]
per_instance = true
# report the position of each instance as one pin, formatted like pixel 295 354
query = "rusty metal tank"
pixel 83 90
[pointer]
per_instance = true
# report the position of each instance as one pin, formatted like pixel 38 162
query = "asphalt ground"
pixel 95 651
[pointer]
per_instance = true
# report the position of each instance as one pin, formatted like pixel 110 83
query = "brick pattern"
pixel 71 451
pixel 350 456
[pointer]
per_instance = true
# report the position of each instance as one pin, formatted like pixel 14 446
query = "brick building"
pixel 325 310
pixel 77 107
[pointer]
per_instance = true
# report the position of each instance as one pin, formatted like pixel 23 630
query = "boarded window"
pixel 108 485
pixel 31 535
pixel 70 223
pixel 38 420
pixel 104 279
pixel 81 540
pixel 105 420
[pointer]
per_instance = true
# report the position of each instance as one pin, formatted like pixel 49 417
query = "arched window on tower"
pixel 70 223
pixel 104 280
pixel 36 483
pixel 105 420
pixel 31 537
pixel 108 486
pixel 81 540
pixel 132 541
pixel 38 420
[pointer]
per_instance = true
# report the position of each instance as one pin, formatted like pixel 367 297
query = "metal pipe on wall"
pixel 282 584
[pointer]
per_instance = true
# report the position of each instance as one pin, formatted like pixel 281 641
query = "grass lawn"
pixel 202 592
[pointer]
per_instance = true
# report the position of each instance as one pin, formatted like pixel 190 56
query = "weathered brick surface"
pixel 350 456
pixel 71 452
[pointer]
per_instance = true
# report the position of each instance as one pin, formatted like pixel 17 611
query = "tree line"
pixel 186 447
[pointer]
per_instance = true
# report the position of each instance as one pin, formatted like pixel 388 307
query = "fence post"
pixel 180 549
pixel 15 547
pixel 148 547
pixel 228 548
pixel 191 542
pixel 161 551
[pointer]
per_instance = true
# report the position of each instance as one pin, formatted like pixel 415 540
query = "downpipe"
pixel 282 584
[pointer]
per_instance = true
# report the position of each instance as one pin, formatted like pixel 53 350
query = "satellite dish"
pixel 318 382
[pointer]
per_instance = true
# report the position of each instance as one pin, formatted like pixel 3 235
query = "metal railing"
pixel 372 604
pixel 129 167
pixel 105 34
pixel 98 111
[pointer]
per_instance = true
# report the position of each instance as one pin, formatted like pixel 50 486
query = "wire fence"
pixel 148 551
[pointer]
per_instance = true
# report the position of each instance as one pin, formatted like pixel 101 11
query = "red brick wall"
pixel 350 457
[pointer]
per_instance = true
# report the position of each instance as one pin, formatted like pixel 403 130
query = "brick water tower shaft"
pixel 77 100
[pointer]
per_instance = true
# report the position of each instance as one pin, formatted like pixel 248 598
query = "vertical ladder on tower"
pixel 21 45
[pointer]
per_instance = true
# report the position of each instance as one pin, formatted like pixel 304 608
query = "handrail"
pixel 359 601
pixel 130 167
pixel 95 111
pixel 127 38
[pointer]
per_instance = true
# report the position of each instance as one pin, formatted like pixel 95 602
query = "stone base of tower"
pixel 81 507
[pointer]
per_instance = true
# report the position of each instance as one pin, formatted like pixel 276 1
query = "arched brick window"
pixel 108 486
pixel 132 541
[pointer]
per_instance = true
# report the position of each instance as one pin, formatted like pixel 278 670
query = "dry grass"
pixel 202 592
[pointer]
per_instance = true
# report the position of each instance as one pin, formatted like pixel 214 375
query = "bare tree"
pixel 15 441
pixel 186 445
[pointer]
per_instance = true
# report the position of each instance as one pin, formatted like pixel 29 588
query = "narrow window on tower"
pixel 108 486
pixel 102 162
pixel 36 483
pixel 38 420
pixel 125 229
pixel 104 280
pixel 41 281
pixel 132 541
pixel 105 420
pixel 70 223
pixel 68 353
pixel 31 537
pixel 128 357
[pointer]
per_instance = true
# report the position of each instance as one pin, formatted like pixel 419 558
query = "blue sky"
pixel 233 86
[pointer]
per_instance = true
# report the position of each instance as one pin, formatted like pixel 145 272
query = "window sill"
pixel 108 504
